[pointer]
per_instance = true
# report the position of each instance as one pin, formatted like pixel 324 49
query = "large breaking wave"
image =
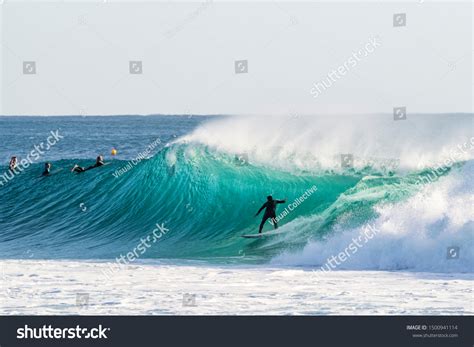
pixel 207 186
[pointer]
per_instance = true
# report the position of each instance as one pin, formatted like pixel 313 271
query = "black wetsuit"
pixel 270 212
pixel 46 172
pixel 78 169
pixel 12 165
pixel 99 163
pixel 81 169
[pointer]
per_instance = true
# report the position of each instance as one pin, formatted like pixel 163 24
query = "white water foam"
pixel 52 287
pixel 317 142
pixel 415 234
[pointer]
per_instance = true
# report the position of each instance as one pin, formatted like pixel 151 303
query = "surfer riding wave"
pixel 270 212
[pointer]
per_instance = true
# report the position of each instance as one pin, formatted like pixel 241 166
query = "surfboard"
pixel 265 234
pixel 87 168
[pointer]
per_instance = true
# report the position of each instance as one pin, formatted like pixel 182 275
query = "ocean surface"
pixel 204 178
pixel 378 217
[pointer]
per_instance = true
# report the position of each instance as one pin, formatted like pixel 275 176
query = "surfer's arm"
pixel 261 208
pixel 280 201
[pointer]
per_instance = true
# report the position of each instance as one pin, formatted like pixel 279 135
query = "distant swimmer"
pixel 47 169
pixel 13 163
pixel 270 212
pixel 98 162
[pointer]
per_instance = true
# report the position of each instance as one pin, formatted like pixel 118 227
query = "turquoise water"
pixel 206 198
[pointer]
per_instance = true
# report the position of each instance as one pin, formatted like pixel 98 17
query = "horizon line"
pixel 295 115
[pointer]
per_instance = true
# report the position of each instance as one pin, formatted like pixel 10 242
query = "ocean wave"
pixel 317 143
pixel 206 187
pixel 430 231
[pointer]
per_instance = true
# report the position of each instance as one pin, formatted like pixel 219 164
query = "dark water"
pixel 86 137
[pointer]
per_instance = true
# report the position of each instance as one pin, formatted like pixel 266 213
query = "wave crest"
pixel 318 142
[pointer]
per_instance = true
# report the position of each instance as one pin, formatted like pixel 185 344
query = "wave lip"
pixel 319 143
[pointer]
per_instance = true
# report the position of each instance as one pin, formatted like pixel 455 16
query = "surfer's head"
pixel 269 198
pixel 99 159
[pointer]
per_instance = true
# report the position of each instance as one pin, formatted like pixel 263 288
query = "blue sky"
pixel 82 53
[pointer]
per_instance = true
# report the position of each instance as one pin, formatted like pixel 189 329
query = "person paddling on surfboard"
pixel 47 169
pixel 270 212
pixel 13 163
pixel 98 162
